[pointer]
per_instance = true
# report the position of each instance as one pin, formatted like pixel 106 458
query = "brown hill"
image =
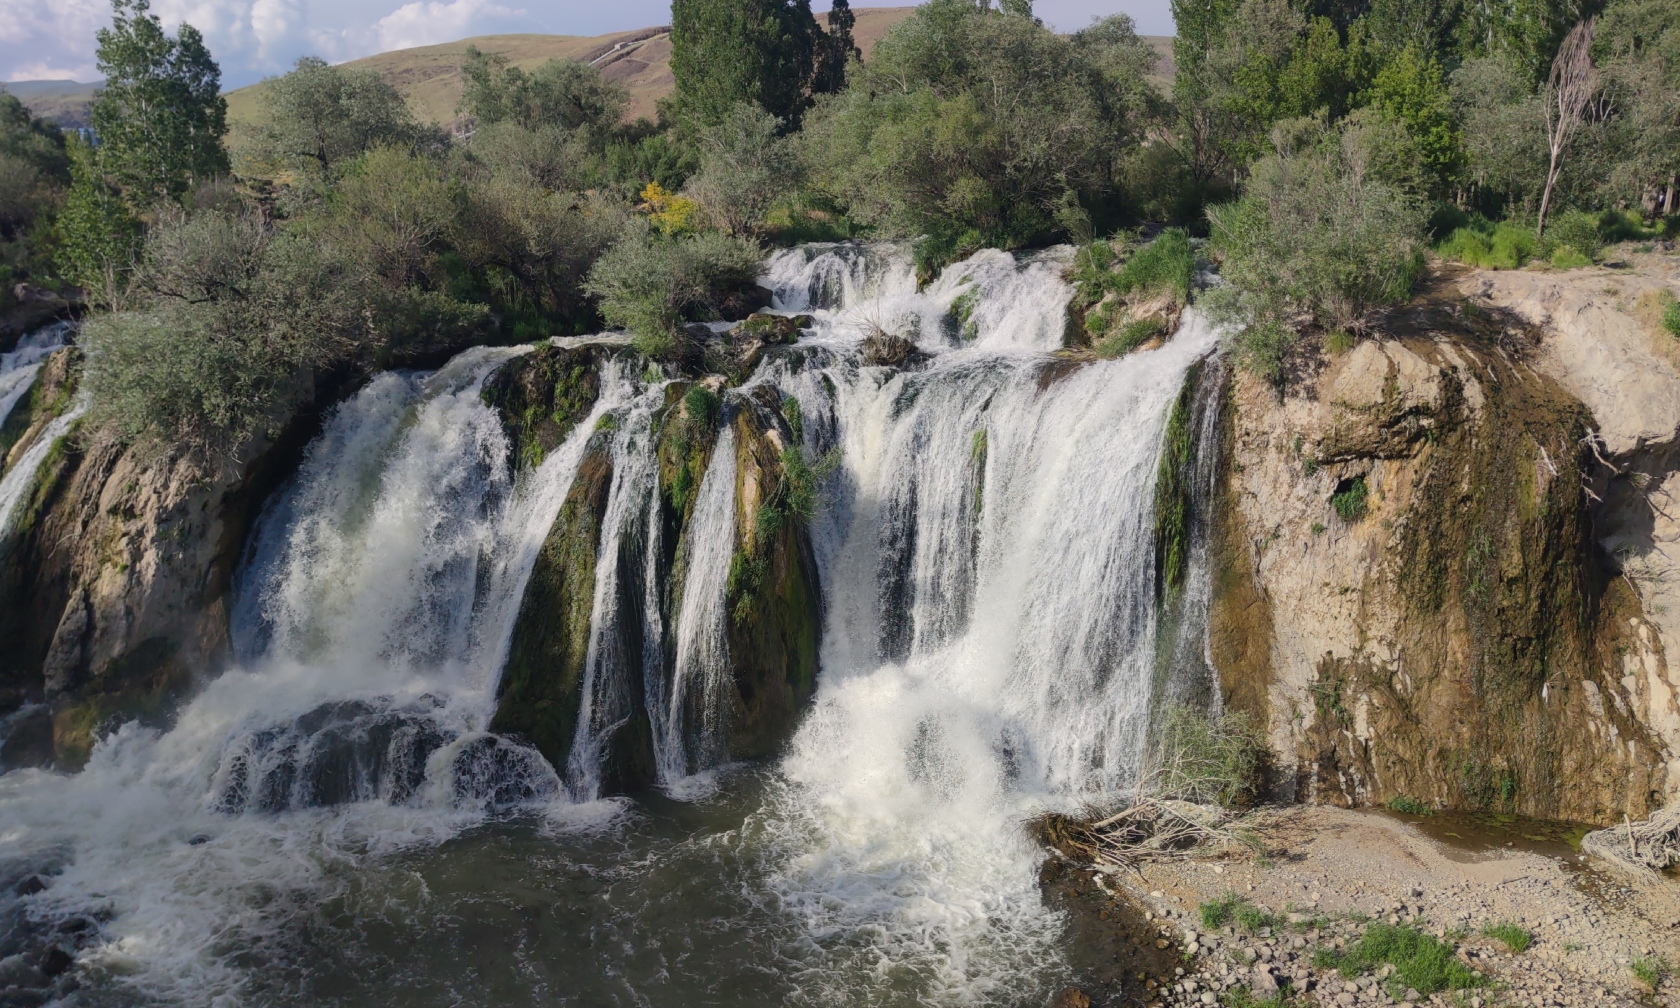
pixel 63 101
pixel 430 76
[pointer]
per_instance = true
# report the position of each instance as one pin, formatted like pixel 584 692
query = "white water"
pixel 988 651
pixel 19 367
pixel 980 662
pixel 702 650
pixel 370 624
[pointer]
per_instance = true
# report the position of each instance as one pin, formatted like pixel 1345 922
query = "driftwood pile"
pixel 1151 829
pixel 1652 844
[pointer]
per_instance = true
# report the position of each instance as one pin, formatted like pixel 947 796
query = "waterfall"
pixel 17 375
pixel 702 661
pixel 19 367
pixel 992 646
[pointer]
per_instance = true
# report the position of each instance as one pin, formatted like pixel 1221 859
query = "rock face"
pixel 113 593
pixel 773 604
pixel 1408 591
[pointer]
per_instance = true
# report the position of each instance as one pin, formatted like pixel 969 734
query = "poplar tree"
pixel 160 116
pixel 768 52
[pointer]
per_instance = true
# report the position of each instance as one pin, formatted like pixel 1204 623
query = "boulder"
pixel 883 348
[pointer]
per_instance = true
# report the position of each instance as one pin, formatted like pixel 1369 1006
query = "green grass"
pixel 1233 909
pixel 1671 314
pixel 1565 257
pixel 1165 265
pixel 1420 961
pixel 1513 937
pixel 1129 337
pixel 1650 970
pixel 1350 503
pixel 1486 245
pixel 1338 341
pixel 1242 997
pixel 1409 806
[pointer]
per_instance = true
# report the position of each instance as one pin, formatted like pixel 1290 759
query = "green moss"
pixel 795 417
pixel 977 457
pixel 1408 806
pixel 541 397
pixel 1173 489
pixel 962 310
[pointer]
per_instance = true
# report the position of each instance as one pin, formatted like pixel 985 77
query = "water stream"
pixel 330 823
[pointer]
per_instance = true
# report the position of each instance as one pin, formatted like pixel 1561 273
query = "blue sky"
pixel 252 39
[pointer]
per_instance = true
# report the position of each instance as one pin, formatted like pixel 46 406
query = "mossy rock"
pixel 543 395
pixel 540 693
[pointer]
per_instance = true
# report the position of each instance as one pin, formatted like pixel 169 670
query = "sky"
pixel 253 39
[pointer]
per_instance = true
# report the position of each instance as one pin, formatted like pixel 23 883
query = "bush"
pixel 1166 265
pixel 220 353
pixel 1349 501
pixel 1312 234
pixel 1578 230
pixel 1408 806
pixel 1566 258
pixel 1420 961
pixel 745 165
pixel 970 128
pixel 1513 937
pixel 1671 314
pixel 1201 758
pixel 1486 245
pixel 648 284
pixel 566 94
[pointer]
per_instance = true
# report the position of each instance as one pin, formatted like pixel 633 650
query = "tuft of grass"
pixel 1420 961
pixel 1234 909
pixel 1166 265
pixel 1671 314
pixel 1349 501
pixel 1650 970
pixel 1338 341
pixel 1130 336
pixel 1514 938
pixel 1242 997
pixel 1486 245
pixel 1201 758
pixel 1408 805
pixel 1565 257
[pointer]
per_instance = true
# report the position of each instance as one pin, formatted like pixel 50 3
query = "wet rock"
pixel 542 395
pixel 26 308
pixel 1071 997
pixel 30 886
pixel 55 960
pixel 748 341
pixel 883 348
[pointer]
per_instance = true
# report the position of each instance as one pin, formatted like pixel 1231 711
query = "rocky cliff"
pixel 1420 547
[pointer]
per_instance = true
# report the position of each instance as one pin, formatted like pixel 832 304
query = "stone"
pixel 1071 997
pixel 883 348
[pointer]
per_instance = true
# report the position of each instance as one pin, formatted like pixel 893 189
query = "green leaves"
pixel 160 116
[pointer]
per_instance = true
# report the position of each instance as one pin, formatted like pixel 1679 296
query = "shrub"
pixel 219 355
pixel 1512 936
pixel 1408 806
pixel 1671 314
pixel 1312 234
pixel 1650 970
pixel 1578 230
pixel 564 93
pixel 1166 265
pixel 648 284
pixel 745 165
pixel 1201 758
pixel 1349 500
pixel 1487 245
pixel 1566 258
pixel 1420 961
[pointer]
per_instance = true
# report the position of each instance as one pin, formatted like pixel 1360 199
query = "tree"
pixel 160 116
pixel 1503 131
pixel 564 94
pixel 744 166
pixel 1322 232
pixel 99 234
pixel 647 284
pixel 1637 44
pixel 1570 91
pixel 769 52
pixel 320 115
pixel 838 50
pixel 971 127
pixel 1411 89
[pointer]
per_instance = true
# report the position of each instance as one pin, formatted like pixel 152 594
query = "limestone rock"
pixel 883 348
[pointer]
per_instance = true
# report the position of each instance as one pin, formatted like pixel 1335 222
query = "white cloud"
pixel 427 22
pixel 47 71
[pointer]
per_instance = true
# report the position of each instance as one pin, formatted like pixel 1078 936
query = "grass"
pixel 1129 337
pixel 1671 314
pixel 1565 257
pixel 1242 997
pixel 1513 937
pixel 1165 265
pixel 1650 970
pixel 1420 961
pixel 1338 341
pixel 1408 806
pixel 1350 501
pixel 1486 245
pixel 1234 909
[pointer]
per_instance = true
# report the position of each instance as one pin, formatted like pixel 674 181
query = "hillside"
pixel 63 101
pixel 430 76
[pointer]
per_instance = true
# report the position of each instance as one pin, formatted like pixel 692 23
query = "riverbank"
pixel 1330 874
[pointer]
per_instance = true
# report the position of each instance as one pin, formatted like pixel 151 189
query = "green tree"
pixel 745 165
pixel 648 284
pixel 99 235
pixel 160 116
pixel 769 52
pixel 972 127
pixel 1638 47
pixel 1411 89
pixel 563 94
pixel 320 115
pixel 837 50
pixel 1319 233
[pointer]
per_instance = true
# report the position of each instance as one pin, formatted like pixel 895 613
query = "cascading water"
pixel 17 374
pixel 990 648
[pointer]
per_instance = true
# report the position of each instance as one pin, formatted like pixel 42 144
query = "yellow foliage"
pixel 670 212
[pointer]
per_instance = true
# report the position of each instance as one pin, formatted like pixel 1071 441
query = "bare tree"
pixel 1570 89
